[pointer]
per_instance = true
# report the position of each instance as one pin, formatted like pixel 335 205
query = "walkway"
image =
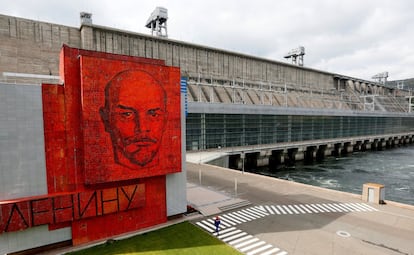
pixel 291 218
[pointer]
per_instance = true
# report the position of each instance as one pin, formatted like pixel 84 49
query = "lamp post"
pixel 242 156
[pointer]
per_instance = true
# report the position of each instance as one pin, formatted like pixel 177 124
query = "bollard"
pixel 235 187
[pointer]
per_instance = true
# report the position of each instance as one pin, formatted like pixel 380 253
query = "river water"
pixel 393 168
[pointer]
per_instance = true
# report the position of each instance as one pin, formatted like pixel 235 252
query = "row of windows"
pixel 206 131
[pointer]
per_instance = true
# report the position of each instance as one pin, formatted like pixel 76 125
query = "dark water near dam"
pixel 392 167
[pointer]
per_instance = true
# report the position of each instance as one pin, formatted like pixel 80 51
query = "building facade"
pixel 232 100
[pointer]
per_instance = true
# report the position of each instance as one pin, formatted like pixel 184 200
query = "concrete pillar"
pixel 329 150
pixel 321 152
pixel 381 144
pixel 251 160
pixel 294 154
pixel 360 86
pixel 277 158
pixel 347 148
pixel 358 146
pixel 356 86
pixel 299 155
pixel 262 161
pixel 337 149
pixel 87 37
pixel 350 85
pixel 263 158
pixel 389 143
pixel 366 145
pixel 396 141
pixel 374 144
pixel 310 153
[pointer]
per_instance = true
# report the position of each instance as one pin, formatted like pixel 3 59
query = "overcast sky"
pixel 358 38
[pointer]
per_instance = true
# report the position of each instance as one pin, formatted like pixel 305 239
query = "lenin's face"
pixel 134 115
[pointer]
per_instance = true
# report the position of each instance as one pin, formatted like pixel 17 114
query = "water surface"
pixel 394 168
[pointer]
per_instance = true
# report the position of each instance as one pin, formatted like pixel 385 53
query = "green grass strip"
pixel 181 239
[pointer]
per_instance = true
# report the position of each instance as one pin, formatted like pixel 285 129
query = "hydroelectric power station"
pixel 246 110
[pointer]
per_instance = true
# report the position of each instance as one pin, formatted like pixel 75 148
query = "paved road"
pixel 291 218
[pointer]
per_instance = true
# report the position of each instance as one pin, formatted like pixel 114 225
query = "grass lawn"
pixel 181 239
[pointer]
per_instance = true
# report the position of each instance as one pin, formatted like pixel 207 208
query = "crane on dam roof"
pixel 296 55
pixel 381 77
pixel 158 22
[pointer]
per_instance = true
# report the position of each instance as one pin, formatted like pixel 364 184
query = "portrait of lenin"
pixel 131 118
pixel 135 124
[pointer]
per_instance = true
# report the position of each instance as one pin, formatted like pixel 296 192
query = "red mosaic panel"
pixel 153 213
pixel 131 120
pixel 55 210
pixel 89 187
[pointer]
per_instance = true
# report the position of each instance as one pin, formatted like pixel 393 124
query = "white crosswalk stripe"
pixel 299 209
pixel 227 239
pixel 246 243
pixel 242 216
pixel 293 209
pixel 339 207
pixel 222 231
pixel 282 253
pixel 305 208
pixel 258 211
pixel 261 207
pixel 269 210
pixel 275 209
pixel 246 215
pixel 353 207
pixel 221 235
pixel 322 208
pixel 252 214
pixel 247 248
pixel 368 207
pixel 359 206
pixel 224 223
pixel 228 219
pixel 317 208
pixel 236 218
pixel 330 208
pixel 204 227
pixel 260 249
pixel 240 239
pixel 280 209
pixel 272 251
pixel 311 208
pixel 287 209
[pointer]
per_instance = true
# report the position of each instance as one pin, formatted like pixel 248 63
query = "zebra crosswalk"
pixel 252 245
pixel 246 243
pixel 318 208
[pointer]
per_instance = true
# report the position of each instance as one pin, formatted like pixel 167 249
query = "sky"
pixel 357 38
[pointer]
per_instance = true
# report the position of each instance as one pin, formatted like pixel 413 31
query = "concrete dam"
pixel 241 110
pixel 233 100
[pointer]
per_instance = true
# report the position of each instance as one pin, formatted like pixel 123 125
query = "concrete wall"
pixel 195 60
pixel 22 157
pixel 22 153
pixel 29 46
pixel 32 47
